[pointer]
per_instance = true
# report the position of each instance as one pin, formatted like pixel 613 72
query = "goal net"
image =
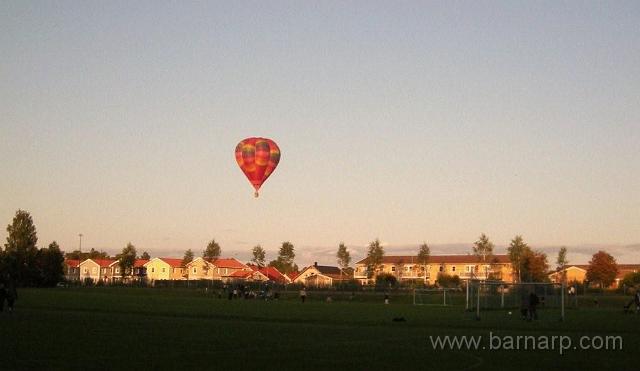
pixel 438 297
pixel 494 295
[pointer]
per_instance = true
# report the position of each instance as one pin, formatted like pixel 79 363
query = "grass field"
pixel 118 328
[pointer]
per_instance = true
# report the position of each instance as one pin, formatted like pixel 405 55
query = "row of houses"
pixel 578 273
pixel 223 269
pixel 403 268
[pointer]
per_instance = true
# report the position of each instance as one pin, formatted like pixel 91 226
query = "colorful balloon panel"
pixel 257 158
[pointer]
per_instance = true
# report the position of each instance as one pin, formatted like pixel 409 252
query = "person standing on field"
pixel 303 295
pixel 12 295
pixel 533 304
pixel 3 295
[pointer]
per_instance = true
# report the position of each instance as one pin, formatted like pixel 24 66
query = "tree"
pixel 3 266
pixel 20 250
pixel 188 257
pixel 534 266
pixel 374 257
pixel 386 280
pixel 631 279
pixel 145 256
pixel 95 254
pixel 561 262
pixel 212 252
pixel 516 251
pixel 126 260
pixel 603 269
pixel 50 264
pixel 483 248
pixel 447 280
pixel 284 263
pixel 344 258
pixel 423 258
pixel 258 255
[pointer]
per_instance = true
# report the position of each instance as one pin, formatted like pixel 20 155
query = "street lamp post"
pixel 79 256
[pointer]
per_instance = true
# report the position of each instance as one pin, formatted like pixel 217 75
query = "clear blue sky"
pixel 407 121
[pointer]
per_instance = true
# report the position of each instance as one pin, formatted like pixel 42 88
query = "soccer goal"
pixel 496 295
pixel 438 297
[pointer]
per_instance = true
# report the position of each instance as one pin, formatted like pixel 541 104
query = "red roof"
pixel 228 263
pixel 140 262
pixel 293 275
pixel 440 259
pixel 104 263
pixel 273 274
pixel 174 263
pixel 73 263
pixel 241 274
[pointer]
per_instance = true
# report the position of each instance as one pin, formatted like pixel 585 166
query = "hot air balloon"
pixel 257 158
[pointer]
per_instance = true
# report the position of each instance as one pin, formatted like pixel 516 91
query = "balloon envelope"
pixel 257 158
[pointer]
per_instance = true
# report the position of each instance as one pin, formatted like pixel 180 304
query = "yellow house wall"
pixel 155 270
pixel 302 278
pixel 196 270
pixel 89 269
pixel 432 270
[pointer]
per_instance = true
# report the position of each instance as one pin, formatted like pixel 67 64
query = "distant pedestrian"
pixel 3 296
pixel 12 295
pixel 303 295
pixel 386 298
pixel 524 306
pixel 533 304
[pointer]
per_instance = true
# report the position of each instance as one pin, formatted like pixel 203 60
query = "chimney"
pixel 315 264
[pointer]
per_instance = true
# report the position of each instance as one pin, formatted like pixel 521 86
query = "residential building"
pixel 96 270
pixel 578 273
pixel 201 269
pixel 164 269
pixel 225 268
pixel 321 276
pixel 138 271
pixel 272 274
pixel 464 266
pixel 71 269
pixel 219 269
pixel 248 276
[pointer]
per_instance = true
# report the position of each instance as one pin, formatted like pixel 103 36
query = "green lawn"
pixel 117 328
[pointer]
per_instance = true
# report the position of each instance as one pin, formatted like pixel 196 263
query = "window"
pixel 195 270
pixel 117 270
pixel 453 269
pixel 393 268
pixel 86 271
pixel 164 270
pixel 153 269
pixel 94 270
pixel 225 271
pixel 441 268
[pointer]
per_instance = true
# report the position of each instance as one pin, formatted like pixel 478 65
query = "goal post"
pixel 435 297
pixel 496 295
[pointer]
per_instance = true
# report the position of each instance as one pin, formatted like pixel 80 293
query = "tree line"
pixel 22 261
